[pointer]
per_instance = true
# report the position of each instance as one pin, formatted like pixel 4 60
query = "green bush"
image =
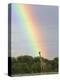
pixel 28 64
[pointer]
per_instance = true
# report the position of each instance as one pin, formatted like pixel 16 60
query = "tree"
pixel 25 59
pixel 29 64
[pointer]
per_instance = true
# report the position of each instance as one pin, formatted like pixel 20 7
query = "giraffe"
pixel 42 63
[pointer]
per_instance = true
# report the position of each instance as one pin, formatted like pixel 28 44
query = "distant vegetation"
pixel 27 65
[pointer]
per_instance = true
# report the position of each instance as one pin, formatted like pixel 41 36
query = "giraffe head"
pixel 40 54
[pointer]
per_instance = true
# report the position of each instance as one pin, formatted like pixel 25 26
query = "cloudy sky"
pixel 47 16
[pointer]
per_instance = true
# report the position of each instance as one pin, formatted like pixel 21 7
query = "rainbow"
pixel 35 35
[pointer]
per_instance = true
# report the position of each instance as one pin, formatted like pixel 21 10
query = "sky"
pixel 46 20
